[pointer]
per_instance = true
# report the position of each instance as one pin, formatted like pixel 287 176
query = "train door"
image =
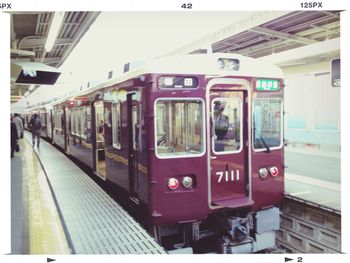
pixel 229 180
pixel 132 120
pixel 99 139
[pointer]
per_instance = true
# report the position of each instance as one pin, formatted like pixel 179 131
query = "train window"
pixel 83 123
pixel 135 122
pixel 42 119
pixel 179 128
pixel 267 124
pixel 58 120
pixel 77 122
pixel 116 125
pixel 227 122
pixel 72 128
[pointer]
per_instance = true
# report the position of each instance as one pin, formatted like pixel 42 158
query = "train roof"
pixel 196 64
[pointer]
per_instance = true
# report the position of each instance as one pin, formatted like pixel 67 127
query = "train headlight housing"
pixel 173 183
pixel 187 182
pixel 263 172
pixel 273 171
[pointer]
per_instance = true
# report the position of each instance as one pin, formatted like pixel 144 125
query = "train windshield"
pixel 227 125
pixel 267 126
pixel 179 128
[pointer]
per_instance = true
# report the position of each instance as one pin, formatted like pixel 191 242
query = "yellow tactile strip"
pixel 93 222
pixel 46 235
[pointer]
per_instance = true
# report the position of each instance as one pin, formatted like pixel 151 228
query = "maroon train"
pixel 197 140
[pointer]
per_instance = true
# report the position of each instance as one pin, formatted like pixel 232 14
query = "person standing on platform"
pixel 35 126
pixel 19 125
pixel 14 137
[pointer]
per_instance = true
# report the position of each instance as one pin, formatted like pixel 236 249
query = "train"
pixel 195 140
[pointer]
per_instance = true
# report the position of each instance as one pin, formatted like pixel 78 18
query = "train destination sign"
pixel 267 84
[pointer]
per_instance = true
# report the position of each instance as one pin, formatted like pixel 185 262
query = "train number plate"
pixel 227 176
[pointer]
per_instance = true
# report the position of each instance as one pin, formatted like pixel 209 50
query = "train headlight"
pixel 173 183
pixel 273 171
pixel 187 182
pixel 263 172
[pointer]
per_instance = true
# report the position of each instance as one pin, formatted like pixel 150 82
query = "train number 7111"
pixel 226 176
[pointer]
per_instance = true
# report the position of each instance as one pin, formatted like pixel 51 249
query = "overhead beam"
pixel 256 19
pixel 23 52
pixel 282 35
pixel 302 52
pixel 268 44
pixel 40 42
pixel 45 60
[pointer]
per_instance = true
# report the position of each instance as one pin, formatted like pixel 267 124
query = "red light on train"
pixel 173 184
pixel 273 171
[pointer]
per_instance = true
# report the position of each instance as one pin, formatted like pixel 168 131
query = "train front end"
pixel 218 161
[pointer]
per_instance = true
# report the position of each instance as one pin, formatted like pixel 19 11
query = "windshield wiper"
pixel 265 144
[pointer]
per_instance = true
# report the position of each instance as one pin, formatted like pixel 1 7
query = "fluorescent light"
pixel 31 87
pixel 53 31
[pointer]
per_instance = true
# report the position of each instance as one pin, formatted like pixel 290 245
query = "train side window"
pixel 43 119
pixel 72 130
pixel 77 122
pixel 83 123
pixel 116 125
pixel 267 124
pixel 58 124
pixel 179 128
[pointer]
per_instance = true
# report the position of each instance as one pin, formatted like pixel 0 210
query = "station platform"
pixel 314 176
pixel 57 209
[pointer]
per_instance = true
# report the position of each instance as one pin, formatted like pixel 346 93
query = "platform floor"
pixel 88 220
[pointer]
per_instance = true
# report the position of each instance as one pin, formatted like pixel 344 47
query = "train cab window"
pixel 116 125
pixel 267 124
pixel 227 123
pixel 179 128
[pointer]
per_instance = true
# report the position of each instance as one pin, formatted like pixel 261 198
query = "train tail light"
pixel 187 182
pixel 273 171
pixel 263 172
pixel 173 183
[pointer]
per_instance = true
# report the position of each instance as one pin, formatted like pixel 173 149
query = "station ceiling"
pixel 259 35
pixel 29 31
pixel 293 30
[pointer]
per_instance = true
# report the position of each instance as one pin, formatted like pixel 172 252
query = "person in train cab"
pixel 35 126
pixel 14 137
pixel 19 125
pixel 221 122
